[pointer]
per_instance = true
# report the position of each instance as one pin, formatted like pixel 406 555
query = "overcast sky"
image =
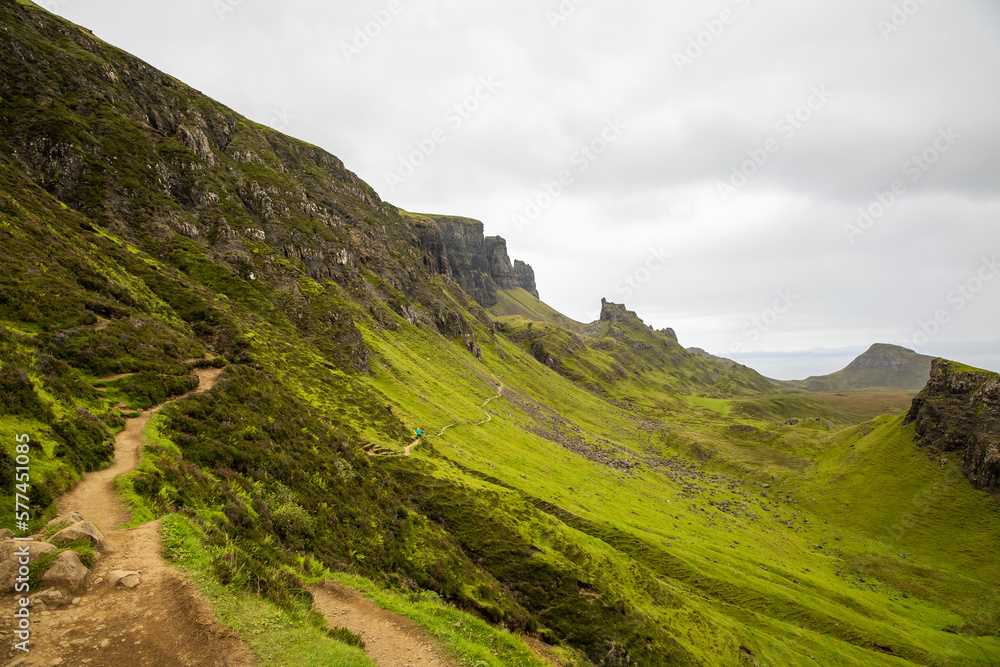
pixel 707 163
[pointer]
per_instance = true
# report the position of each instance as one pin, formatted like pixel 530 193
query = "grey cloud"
pixel 687 129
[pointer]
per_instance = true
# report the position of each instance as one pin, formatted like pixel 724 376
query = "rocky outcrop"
pixel 462 256
pixel 616 312
pixel 126 578
pixel 456 247
pixel 196 141
pixel 10 555
pixel 959 412
pixel 503 273
pixel 82 530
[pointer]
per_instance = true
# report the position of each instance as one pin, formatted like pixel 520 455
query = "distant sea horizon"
pixel 801 364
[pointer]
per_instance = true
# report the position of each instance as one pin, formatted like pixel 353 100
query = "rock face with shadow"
pixel 457 248
pixel 958 412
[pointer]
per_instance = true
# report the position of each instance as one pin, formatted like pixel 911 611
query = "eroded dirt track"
pixel 161 621
pixel 390 639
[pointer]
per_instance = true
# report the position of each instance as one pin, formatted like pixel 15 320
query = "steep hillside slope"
pixel 521 303
pixel 597 488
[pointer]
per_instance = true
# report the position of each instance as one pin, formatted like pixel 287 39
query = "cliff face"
pixel 503 273
pixel 157 164
pixel 959 412
pixel 456 247
pixel 616 312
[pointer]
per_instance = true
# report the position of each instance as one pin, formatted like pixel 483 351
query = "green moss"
pixel 293 635
pixel 596 484
pixel 144 389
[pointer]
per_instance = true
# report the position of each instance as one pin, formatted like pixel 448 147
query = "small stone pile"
pixel 67 574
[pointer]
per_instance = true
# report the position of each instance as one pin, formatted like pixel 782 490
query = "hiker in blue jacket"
pixel 418 433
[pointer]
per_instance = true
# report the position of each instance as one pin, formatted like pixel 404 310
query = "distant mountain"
pixel 882 366
pixel 391 401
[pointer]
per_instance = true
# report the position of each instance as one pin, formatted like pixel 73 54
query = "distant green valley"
pixel 580 494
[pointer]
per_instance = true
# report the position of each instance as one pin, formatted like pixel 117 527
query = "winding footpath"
pixel 408 449
pixel 489 417
pixel 94 497
pixel 160 620
pixel 391 640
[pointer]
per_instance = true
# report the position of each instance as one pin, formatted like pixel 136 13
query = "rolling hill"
pixel 580 494
pixel 882 366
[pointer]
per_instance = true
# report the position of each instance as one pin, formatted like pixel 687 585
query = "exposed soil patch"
pixel 160 621
pixel 163 621
pixel 94 496
pixel 390 639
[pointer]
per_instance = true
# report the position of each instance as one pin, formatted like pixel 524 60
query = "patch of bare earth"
pixel 390 639
pixel 160 620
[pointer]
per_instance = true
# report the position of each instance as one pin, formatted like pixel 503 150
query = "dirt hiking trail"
pixel 489 417
pixel 94 497
pixel 155 617
pixel 390 639
pixel 408 449
pixel 160 619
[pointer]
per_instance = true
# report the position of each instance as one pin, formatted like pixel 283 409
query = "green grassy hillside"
pixel 595 487
pixel 725 513
pixel 519 303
